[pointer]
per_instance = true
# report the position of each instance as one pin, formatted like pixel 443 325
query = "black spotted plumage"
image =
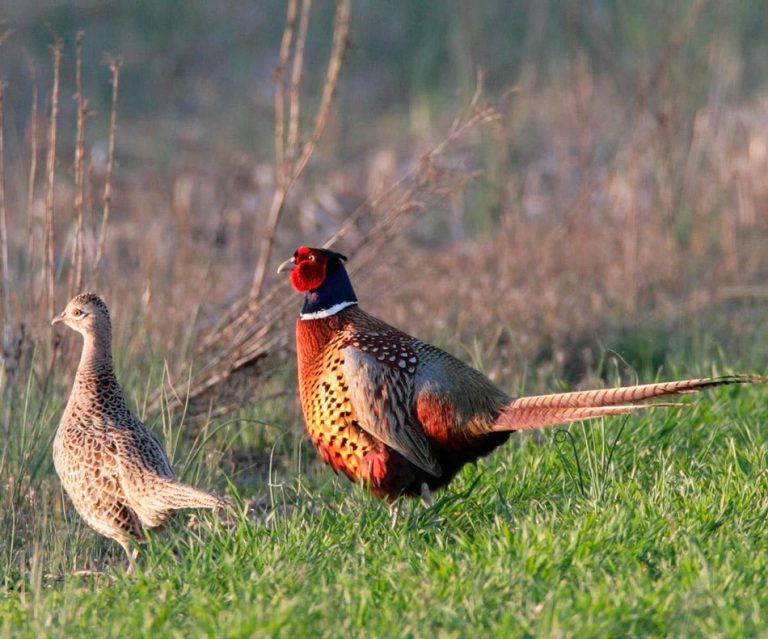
pixel 402 416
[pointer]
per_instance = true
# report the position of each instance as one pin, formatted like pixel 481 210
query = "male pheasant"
pixel 401 416
pixel 113 467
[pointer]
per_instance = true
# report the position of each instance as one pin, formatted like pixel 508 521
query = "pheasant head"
pixel 320 275
pixel 87 314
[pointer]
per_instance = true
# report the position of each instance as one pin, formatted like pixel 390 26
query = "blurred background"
pixel 594 211
pixel 606 216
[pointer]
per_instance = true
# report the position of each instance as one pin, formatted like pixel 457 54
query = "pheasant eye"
pixel 311 258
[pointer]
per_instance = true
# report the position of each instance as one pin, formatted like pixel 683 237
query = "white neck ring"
pixel 326 312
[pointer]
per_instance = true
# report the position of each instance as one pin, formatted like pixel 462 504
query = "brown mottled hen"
pixel 402 416
pixel 113 467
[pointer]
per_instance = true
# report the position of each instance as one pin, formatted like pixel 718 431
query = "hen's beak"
pixel 287 265
pixel 58 318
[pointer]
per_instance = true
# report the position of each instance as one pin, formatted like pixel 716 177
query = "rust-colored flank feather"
pixel 113 467
pixel 401 416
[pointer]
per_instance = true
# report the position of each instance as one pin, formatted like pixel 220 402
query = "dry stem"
pixel 50 171
pixel 34 145
pixel 340 31
pixel 79 165
pixel 7 368
pixel 296 76
pixel 114 69
pixel 6 281
pixel 279 77
pixel 288 168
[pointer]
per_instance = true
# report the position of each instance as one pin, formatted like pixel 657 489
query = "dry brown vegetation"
pixel 546 231
pixel 533 232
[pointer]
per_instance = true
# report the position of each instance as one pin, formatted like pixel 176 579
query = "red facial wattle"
pixel 309 270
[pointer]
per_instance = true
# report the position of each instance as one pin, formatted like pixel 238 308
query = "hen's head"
pixel 85 313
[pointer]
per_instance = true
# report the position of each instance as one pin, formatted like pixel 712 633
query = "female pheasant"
pixel 402 416
pixel 113 467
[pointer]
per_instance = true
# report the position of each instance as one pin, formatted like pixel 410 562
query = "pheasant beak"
pixel 287 265
pixel 58 318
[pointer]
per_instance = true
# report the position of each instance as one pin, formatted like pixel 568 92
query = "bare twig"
pixel 282 161
pixel 294 103
pixel 50 171
pixel 34 145
pixel 6 282
pixel 401 197
pixel 79 165
pixel 114 69
pixel 8 363
pixel 340 31
pixel 273 219
pixel 290 168
pixel 279 77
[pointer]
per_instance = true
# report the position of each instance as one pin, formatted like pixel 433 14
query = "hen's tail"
pixel 157 503
pixel 174 495
pixel 540 411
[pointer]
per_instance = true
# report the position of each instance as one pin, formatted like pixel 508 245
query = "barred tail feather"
pixel 540 411
pixel 174 495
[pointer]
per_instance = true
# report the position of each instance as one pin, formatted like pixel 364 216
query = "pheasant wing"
pixel 381 396
pixel 139 447
pixel 147 478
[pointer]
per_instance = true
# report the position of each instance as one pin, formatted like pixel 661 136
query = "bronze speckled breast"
pixel 328 412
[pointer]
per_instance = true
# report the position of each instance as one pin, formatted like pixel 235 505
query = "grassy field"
pixel 650 526
pixel 596 215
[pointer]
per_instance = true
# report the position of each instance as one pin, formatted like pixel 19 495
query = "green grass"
pixel 653 526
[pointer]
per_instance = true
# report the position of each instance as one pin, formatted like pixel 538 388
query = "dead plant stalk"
pixel 34 147
pixel 289 166
pixel 6 280
pixel 79 166
pixel 9 359
pixel 114 69
pixel 49 264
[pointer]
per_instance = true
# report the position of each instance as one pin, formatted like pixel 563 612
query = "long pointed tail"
pixel 540 411
pixel 174 495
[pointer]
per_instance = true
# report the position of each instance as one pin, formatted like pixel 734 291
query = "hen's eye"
pixel 77 312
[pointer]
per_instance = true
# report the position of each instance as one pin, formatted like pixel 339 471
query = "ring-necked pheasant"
pixel 402 416
pixel 113 467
